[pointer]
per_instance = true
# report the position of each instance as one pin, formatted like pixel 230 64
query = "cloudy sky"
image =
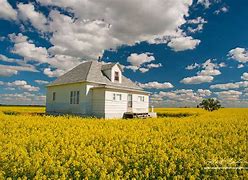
pixel 180 50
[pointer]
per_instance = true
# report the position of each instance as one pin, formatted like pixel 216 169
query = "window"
pixel 116 76
pixel 74 97
pixel 71 97
pixel 77 97
pixel 54 96
pixel 130 101
pixel 141 98
pixel 117 97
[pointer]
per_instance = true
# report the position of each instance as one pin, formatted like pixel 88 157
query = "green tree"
pixel 210 104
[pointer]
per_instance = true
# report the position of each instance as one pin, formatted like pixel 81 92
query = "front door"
pixel 129 102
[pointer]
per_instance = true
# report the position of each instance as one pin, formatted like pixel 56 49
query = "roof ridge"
pixel 89 70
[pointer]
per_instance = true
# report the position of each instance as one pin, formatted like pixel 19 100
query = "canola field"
pixel 180 144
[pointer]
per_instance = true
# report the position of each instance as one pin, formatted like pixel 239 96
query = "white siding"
pixel 98 102
pixel 116 108
pixel 88 99
pixel 62 101
pixel 139 106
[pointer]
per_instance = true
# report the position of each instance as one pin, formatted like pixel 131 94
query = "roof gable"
pixel 110 65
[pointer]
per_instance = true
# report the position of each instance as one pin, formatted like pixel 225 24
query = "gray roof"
pixel 91 71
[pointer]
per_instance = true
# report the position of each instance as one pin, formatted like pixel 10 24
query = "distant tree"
pixel 210 104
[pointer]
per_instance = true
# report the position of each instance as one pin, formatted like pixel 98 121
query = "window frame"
pixel 54 96
pixel 74 97
pixel 77 96
pixel 117 97
pixel 71 97
pixel 120 97
pixel 117 76
pixel 130 100
pixel 141 98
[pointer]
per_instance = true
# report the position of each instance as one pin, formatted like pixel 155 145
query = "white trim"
pixel 102 85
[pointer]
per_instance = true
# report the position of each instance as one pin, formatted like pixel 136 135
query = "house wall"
pixel 93 101
pixel 140 106
pixel 116 108
pixel 62 100
pixel 98 102
pixel 88 99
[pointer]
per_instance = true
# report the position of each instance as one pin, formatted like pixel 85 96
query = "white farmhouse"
pixel 96 89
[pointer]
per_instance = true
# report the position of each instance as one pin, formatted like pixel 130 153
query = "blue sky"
pixel 180 51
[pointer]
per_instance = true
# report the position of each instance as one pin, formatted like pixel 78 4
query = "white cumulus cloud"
pixel 140 62
pixel 83 29
pixel 239 54
pixel 205 3
pixel 53 73
pixel 28 12
pixel 192 66
pixel 182 43
pixel 197 79
pixel 41 82
pixel 23 85
pixel 229 95
pixel 7 72
pixel 25 98
pixel 101 25
pixel 240 66
pixel 27 49
pixel 245 76
pixel 152 65
pixel 179 97
pixel 209 70
pixel 139 59
pixel 197 24
pixel 223 9
pixel 30 52
pixel 6 11
pixel 235 85
pixel 204 92
pixel 156 85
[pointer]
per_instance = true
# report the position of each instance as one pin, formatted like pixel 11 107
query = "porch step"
pixel 136 115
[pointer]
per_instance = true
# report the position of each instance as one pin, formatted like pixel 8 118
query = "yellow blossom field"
pixel 183 143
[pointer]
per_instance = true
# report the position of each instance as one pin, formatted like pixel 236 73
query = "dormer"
pixel 113 72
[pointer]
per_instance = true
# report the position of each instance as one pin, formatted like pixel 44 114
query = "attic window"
pixel 117 76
